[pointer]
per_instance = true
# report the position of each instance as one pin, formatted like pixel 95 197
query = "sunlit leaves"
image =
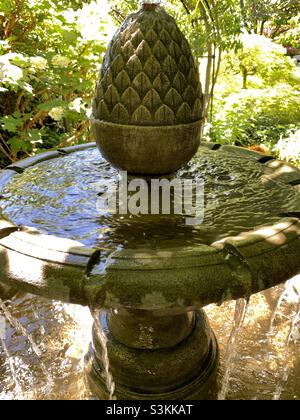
pixel 50 55
pixel 256 116
pixel 262 57
pixel 55 103
pixel 288 147
pixel 11 123
pixel 18 145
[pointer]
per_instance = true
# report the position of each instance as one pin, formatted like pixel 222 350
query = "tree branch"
pixel 3 147
pixel 185 7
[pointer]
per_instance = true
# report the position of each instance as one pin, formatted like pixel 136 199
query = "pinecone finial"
pixel 150 94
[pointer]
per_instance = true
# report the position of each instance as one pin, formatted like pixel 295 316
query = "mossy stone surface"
pixel 149 76
pixel 148 106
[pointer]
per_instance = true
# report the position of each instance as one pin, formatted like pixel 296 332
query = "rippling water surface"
pixel 60 196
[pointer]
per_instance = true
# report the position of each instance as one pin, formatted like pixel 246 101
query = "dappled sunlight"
pixel 289 148
pixel 277 239
pixel 21 267
pixel 62 333
pixel 140 277
pixel 94 21
pixel 277 235
pixel 261 358
pixel 282 168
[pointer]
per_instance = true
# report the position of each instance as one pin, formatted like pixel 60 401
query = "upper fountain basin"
pixel 55 243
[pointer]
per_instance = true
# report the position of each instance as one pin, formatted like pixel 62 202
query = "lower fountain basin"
pixel 54 243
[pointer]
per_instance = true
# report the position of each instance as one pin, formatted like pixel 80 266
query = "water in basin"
pixel 59 196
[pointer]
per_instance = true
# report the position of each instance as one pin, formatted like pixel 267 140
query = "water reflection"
pixel 60 197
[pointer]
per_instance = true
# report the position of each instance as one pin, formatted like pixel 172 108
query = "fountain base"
pixel 7 292
pixel 172 357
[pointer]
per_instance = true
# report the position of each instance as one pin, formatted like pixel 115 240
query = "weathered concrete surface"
pixel 145 330
pixel 183 371
pixel 165 281
pixel 53 267
pixel 147 150
pixel 147 111
pixel 7 292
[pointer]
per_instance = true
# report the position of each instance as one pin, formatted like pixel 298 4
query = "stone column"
pixel 155 357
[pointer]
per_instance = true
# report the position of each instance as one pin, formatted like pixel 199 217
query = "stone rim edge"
pixel 100 289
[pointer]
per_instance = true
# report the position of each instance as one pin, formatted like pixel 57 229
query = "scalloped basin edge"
pixel 174 279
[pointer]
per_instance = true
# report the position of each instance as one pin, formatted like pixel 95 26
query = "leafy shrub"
pixel 288 148
pixel 291 35
pixel 263 58
pixel 50 55
pixel 256 116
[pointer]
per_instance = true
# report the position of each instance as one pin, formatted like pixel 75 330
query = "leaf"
pixel 26 86
pixel 47 106
pixel 7 6
pixel 10 124
pixel 70 36
pixel 35 136
pixel 18 145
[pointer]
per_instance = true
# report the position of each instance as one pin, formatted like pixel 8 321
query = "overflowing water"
pixel 265 366
pixel 63 333
pixel 33 346
pixel 290 294
pixel 12 370
pixel 19 328
pixel 287 370
pixel 231 350
pixel 102 339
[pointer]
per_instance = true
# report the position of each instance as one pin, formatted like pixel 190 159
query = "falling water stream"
pixel 292 290
pixel 21 330
pixel 42 352
pixel 287 370
pixel 231 351
pixel 110 384
pixel 254 364
pixel 10 361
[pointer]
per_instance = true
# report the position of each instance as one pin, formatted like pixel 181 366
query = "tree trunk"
pixel 207 87
pixel 262 27
pixel 245 77
pixel 215 79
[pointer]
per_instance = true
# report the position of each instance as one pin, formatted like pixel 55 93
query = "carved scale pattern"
pixel 149 76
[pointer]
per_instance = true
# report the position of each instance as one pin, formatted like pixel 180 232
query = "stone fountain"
pixel 151 276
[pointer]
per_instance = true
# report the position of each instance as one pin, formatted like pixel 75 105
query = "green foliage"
pixel 51 52
pixel 256 116
pixel 262 57
pixel 288 148
pixel 49 62
pixel 269 15
pixel 290 37
pixel 258 98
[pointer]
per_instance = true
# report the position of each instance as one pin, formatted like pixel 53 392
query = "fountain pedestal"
pixel 170 357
